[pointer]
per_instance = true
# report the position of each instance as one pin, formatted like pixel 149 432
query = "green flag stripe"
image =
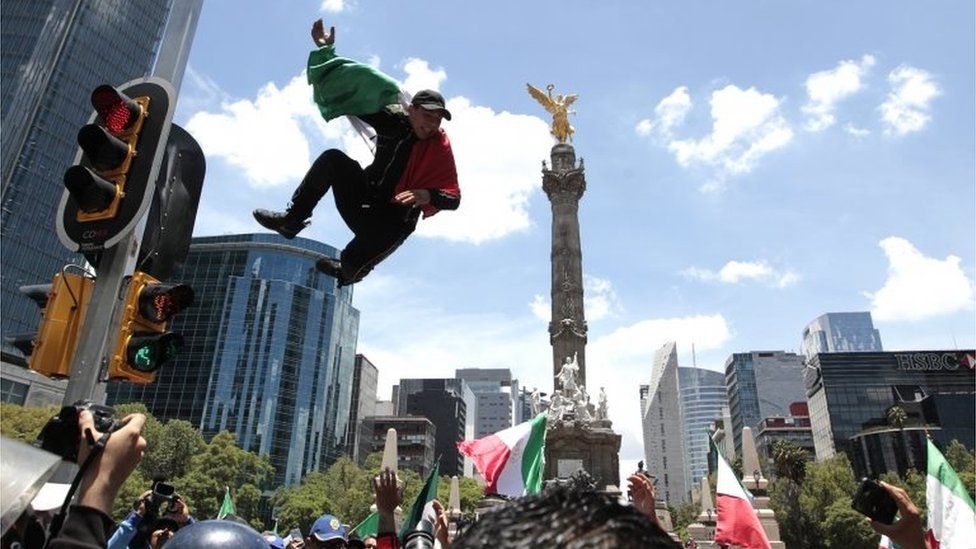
pixel 940 469
pixel 533 456
pixel 368 527
pixel 427 493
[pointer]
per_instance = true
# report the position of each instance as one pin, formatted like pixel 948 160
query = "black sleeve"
pixel 84 528
pixel 385 122
pixel 443 200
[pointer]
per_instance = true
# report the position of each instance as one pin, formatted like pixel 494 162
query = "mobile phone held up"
pixel 874 502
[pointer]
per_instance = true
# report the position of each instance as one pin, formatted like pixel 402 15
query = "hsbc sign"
pixel 935 361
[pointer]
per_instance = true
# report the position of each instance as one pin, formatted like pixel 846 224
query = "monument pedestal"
pixel 591 446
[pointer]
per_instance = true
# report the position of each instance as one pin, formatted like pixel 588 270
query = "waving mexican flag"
pixel 952 515
pixel 511 460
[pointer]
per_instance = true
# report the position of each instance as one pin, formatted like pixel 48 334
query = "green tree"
pixel 221 464
pixel 789 460
pixel 681 516
pixel 964 463
pixel 173 446
pixel 299 505
pixel 794 527
pixel 896 418
pixel 24 423
pixel 845 528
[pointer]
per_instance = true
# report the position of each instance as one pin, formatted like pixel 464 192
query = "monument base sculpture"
pixel 591 446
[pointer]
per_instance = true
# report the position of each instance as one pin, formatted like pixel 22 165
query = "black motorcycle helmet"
pixel 217 534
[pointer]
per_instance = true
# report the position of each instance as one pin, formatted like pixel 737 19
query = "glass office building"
pixel 55 52
pixel 841 333
pixel 849 395
pixel 703 397
pixel 761 384
pixel 269 354
pixel 446 403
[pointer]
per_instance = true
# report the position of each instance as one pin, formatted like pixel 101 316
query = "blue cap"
pixel 327 527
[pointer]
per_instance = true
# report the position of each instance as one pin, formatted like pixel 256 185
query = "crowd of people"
pixel 562 516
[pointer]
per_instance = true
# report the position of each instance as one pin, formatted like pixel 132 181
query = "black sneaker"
pixel 331 267
pixel 279 222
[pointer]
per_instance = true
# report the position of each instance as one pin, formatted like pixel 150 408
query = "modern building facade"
pixel 20 385
pixel 55 52
pixel 269 354
pixel 761 384
pixel 663 429
pixel 445 402
pixel 703 396
pixel 496 395
pixel 416 440
pixel 364 381
pixel 794 428
pixel 850 395
pixel 841 333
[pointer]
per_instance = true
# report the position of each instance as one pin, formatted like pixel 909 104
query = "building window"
pixel 13 392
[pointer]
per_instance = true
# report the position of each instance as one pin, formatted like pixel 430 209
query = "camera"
pixel 60 434
pixel 873 501
pixel 154 512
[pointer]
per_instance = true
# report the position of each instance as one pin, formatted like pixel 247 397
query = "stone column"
pixel 564 184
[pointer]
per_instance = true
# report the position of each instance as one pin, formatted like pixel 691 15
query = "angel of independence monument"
pixel 579 433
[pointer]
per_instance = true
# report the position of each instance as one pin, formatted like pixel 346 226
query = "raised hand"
pixel 320 37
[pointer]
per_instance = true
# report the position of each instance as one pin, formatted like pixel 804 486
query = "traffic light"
pixel 169 225
pixel 144 344
pixel 111 185
pixel 64 303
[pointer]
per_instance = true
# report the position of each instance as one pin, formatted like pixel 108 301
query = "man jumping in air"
pixel 412 173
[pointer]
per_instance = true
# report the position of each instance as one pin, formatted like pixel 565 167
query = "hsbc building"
pixel 850 396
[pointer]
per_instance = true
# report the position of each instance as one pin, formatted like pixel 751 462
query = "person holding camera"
pixel 158 529
pixel 89 521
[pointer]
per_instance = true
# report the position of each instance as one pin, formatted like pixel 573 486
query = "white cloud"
pixel 265 138
pixel 644 127
pixel 420 76
pixel 826 88
pixel 495 187
pixel 332 6
pixel 906 109
pixel 746 125
pixel 642 339
pixel 734 272
pixel 855 131
pixel 918 286
pixel 600 301
pixel 269 140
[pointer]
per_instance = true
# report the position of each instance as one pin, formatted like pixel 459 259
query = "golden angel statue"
pixel 559 108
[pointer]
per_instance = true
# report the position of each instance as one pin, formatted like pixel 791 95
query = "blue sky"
pixel 749 166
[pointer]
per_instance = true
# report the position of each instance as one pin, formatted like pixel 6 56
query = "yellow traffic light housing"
pixel 63 316
pixel 144 344
pixel 109 149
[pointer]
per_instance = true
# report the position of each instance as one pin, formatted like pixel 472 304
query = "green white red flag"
pixel 951 513
pixel 511 460
pixel 737 522
pixel 422 515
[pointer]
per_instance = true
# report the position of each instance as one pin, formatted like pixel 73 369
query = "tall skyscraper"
pixel 761 384
pixel 364 380
pixel 703 397
pixel 496 394
pixel 55 52
pixel 663 429
pixel 445 402
pixel 841 333
pixel 269 354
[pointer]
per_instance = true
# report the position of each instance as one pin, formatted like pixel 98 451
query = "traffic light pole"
pixel 98 334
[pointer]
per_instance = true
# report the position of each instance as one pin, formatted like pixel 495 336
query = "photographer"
pixel 161 529
pixel 89 521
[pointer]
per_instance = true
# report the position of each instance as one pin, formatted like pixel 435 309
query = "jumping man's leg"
pixel 380 235
pixel 331 166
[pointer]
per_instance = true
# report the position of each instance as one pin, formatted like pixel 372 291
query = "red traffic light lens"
pixel 159 302
pixel 114 108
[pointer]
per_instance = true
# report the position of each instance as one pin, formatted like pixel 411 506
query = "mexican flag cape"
pixel 952 515
pixel 512 459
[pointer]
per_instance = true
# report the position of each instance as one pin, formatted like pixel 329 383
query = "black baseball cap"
pixel 432 101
